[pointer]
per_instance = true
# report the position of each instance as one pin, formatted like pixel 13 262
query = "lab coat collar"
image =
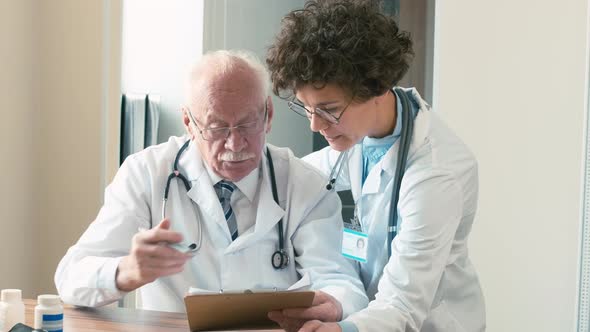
pixel 373 180
pixel 389 161
pixel 191 162
pixel 249 184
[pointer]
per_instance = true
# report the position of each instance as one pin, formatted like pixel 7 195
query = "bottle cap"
pixel 11 295
pixel 48 299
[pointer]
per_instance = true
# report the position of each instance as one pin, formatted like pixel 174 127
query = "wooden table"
pixel 115 319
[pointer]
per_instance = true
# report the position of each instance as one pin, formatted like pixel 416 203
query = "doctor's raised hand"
pixel 150 257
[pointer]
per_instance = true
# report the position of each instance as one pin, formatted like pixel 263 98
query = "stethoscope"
pixel 279 259
pixel 405 138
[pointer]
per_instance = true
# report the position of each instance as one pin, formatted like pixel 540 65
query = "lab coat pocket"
pixel 259 272
pixel 441 320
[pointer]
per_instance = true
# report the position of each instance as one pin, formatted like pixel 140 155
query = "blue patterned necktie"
pixel 224 190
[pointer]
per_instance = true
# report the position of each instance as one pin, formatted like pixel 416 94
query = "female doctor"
pixel 337 61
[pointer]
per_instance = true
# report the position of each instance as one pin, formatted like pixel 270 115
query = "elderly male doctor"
pixel 228 114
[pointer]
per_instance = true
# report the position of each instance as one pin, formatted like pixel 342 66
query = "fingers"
pixel 144 262
pixel 149 274
pixel 158 250
pixel 276 316
pixel 320 297
pixel 160 233
pixel 153 273
pixel 156 255
pixel 151 257
pixel 286 323
pixel 324 308
pixel 317 326
pixel 164 224
pixel 314 312
pixel 136 270
pixel 311 326
pixel 151 247
pixel 308 313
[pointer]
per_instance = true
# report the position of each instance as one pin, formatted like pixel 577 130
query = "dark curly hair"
pixel 347 42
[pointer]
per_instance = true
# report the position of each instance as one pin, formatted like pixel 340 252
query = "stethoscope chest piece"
pixel 280 259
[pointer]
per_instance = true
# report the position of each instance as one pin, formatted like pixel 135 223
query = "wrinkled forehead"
pixel 215 91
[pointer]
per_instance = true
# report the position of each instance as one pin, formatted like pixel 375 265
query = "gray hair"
pixel 225 61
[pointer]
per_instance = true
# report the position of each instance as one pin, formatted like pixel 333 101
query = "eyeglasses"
pixel 221 133
pixel 324 114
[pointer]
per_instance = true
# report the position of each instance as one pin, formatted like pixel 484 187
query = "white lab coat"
pixel 312 221
pixel 429 283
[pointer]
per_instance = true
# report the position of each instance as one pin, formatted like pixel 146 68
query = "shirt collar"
pixel 247 185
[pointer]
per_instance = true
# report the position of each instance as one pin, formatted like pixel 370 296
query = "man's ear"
pixel 270 112
pixel 186 121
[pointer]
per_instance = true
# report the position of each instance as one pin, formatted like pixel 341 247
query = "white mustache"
pixel 236 156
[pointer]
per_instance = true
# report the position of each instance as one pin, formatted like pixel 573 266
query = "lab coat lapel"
pixel 374 178
pixel 389 161
pixel 355 170
pixel 201 192
pixel 418 138
pixel 268 212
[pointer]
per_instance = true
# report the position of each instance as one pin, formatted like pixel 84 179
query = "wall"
pixel 417 18
pixel 55 97
pixel 70 134
pixel 17 128
pixel 251 25
pixel 510 78
pixel 161 40
pixel 157 57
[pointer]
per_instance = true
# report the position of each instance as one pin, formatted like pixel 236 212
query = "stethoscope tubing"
pixel 336 169
pixel 176 174
pixel 284 257
pixel 405 139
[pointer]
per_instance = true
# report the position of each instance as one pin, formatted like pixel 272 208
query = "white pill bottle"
pixel 49 313
pixel 13 308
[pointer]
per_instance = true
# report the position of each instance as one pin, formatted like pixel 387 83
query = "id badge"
pixel 354 245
